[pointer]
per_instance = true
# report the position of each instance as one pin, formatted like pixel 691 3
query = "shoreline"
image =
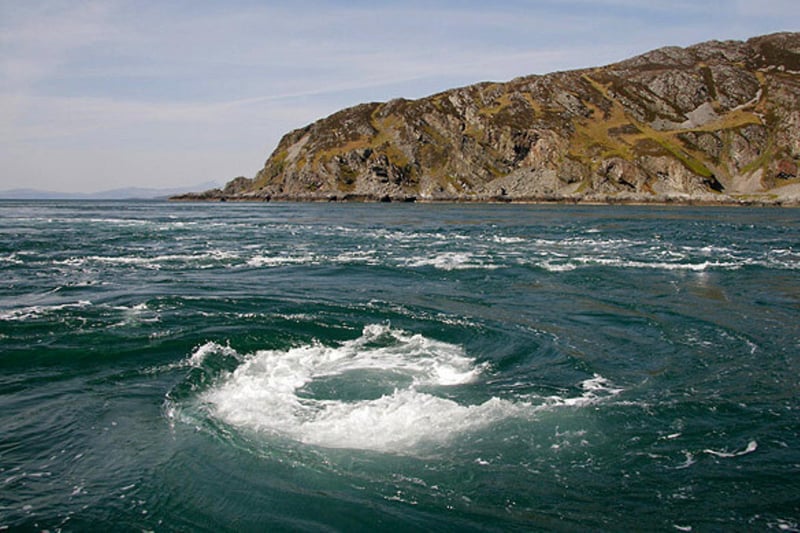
pixel 533 200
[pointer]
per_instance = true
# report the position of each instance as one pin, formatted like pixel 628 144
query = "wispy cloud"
pixel 37 38
pixel 230 78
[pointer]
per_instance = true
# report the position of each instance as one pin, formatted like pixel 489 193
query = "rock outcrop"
pixel 717 122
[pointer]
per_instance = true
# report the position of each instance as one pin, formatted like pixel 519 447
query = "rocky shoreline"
pixel 705 201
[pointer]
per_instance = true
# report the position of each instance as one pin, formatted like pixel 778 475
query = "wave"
pixel 507 240
pixel 442 251
pixel 555 262
pixel 388 391
pixel 112 221
pixel 450 261
pixel 38 311
pixel 11 259
pixel 206 259
pixel 110 316
pixel 750 448
pixel 584 262
pixel 275 261
pixel 367 257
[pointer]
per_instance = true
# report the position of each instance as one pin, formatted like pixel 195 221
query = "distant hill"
pixel 714 122
pixel 127 193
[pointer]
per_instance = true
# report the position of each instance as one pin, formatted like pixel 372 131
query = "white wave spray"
pixel 388 391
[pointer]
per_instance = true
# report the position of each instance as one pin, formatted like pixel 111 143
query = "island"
pixel 713 123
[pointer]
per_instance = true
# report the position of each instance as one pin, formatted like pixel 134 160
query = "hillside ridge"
pixel 716 122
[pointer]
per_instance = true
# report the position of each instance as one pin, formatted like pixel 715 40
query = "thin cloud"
pixel 138 77
pixel 38 38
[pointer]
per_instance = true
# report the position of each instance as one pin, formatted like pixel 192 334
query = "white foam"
pixel 450 261
pixel 202 352
pixel 785 525
pixel 154 262
pixel 594 389
pixel 659 265
pixel 507 240
pixel 134 309
pixel 690 460
pixel 195 360
pixel 710 249
pixel 587 261
pixel 751 447
pixel 36 311
pixel 558 267
pixel 598 383
pixel 269 392
pixel 114 221
pixel 280 260
pixel 11 259
pixel 578 252
pixel 263 393
pixel 356 257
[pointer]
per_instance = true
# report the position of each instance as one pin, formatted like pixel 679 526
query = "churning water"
pixel 398 367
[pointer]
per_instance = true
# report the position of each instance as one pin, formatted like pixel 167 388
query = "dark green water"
pixel 398 367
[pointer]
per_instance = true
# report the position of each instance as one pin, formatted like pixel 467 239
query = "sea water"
pixel 330 367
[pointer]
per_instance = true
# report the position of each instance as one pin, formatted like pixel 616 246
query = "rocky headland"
pixel 714 123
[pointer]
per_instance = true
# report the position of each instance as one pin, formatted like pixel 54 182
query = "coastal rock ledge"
pixel 718 122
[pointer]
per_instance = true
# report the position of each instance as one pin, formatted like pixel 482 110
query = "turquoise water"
pixel 398 367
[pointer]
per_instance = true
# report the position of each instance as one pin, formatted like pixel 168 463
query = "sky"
pixel 97 95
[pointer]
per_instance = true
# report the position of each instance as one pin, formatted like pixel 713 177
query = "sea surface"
pixel 366 367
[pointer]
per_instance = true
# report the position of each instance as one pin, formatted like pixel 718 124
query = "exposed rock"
pixel 786 169
pixel 714 122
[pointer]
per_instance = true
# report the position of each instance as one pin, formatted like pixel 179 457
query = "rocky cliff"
pixel 714 122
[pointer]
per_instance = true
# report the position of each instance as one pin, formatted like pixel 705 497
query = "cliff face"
pixel 718 121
